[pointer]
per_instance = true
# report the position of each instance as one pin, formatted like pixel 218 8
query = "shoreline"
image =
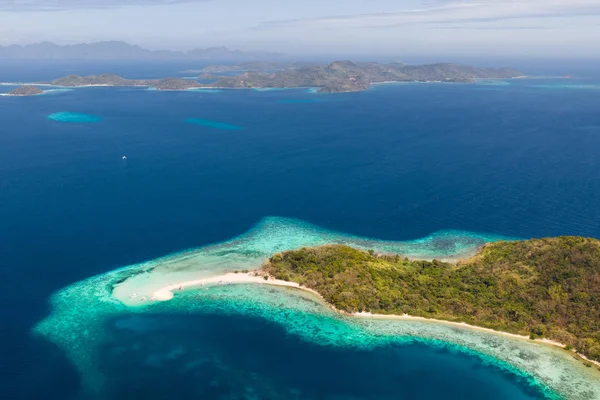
pixel 166 293
pixel 464 325
pixel 203 87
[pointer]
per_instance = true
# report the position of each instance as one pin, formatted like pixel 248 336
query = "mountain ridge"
pixel 120 50
pixel 347 76
pixel 335 77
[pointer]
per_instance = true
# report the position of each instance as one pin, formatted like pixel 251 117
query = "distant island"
pixel 542 288
pixel 25 91
pixel 346 76
pixel 115 80
pixel 117 50
pixel 337 77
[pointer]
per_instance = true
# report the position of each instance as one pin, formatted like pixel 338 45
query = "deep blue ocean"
pixel 396 162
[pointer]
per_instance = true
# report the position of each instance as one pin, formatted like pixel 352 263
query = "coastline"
pixel 258 277
pixel 79 312
pixel 166 293
pixel 204 87
pixel 464 325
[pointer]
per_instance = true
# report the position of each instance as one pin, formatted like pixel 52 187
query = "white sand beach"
pixel 166 293
pixel 256 277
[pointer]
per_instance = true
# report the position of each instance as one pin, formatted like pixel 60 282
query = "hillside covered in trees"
pixel 541 287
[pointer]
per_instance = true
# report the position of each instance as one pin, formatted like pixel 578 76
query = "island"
pixel 280 271
pixel 96 80
pixel 25 91
pixel 346 76
pixel 336 77
pixel 174 84
pixel 115 80
pixel 541 288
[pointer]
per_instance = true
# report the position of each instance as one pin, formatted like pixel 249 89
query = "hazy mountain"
pixel 115 50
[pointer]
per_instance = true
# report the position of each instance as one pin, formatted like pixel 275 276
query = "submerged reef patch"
pixel 56 91
pixel 67 116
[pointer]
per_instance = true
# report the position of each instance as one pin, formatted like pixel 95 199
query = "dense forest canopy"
pixel 540 287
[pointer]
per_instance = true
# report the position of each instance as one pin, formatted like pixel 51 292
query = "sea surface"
pixel 97 178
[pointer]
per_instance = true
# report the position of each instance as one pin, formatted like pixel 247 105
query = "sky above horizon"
pixel 550 28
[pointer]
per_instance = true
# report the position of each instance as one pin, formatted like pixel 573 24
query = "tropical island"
pixel 248 275
pixel 25 91
pixel 542 288
pixel 115 80
pixel 346 76
pixel 336 77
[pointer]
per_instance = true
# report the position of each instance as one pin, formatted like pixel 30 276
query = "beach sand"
pixel 166 293
pixel 257 277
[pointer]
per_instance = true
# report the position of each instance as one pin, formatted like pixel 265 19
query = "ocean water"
pixel 212 124
pixel 215 356
pixel 399 162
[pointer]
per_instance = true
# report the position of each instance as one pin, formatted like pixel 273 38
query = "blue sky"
pixel 318 27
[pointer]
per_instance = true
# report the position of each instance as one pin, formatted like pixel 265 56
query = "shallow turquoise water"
pixel 50 92
pixel 74 117
pixel 274 234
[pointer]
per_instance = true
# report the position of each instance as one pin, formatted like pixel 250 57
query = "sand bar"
pixel 166 293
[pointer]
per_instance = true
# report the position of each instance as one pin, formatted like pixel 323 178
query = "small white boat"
pixel 124 158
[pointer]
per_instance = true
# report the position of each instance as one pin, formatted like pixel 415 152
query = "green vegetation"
pixel 25 91
pixel 346 76
pixel 541 288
